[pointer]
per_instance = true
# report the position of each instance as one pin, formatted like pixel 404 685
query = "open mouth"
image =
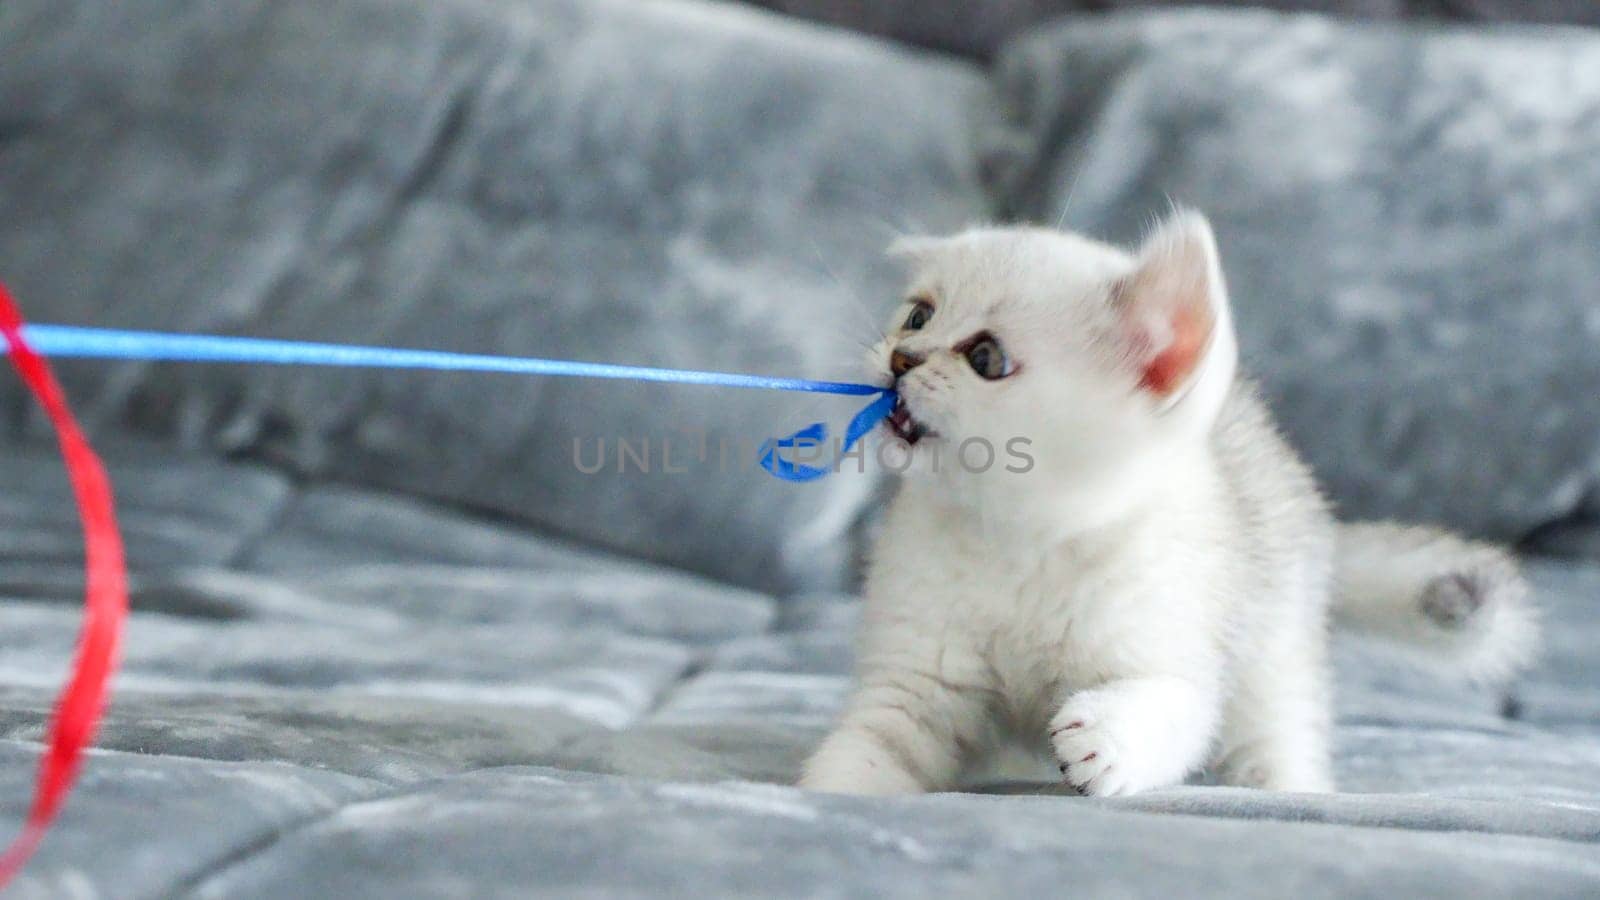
pixel 904 426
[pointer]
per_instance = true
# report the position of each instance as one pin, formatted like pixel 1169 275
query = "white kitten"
pixel 1152 595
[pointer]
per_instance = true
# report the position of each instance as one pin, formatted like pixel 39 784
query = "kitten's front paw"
pixel 1088 752
pixel 1108 745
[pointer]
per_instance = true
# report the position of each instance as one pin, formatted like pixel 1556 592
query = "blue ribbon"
pixel 816 434
pixel 66 341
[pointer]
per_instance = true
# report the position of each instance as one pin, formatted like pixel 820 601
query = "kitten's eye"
pixel 988 360
pixel 920 314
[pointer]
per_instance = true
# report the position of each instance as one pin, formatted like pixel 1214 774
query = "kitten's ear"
pixel 1173 303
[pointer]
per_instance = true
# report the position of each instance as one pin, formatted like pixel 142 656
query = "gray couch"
pixel 388 640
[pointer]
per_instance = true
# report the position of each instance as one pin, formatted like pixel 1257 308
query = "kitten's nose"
pixel 901 362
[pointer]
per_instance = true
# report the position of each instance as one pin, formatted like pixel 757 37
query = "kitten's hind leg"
pixel 1275 730
pixel 902 733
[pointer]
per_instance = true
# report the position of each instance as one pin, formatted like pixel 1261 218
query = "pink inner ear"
pixel 1177 361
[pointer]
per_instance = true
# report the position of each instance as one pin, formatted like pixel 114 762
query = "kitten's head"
pixel 1095 356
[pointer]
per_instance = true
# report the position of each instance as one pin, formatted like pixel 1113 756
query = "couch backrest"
pixel 1408 216
pixel 658 184
pixel 1409 220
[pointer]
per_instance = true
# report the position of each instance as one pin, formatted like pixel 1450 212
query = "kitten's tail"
pixel 1460 605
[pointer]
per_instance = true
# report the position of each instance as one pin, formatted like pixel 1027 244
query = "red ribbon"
pixel 105 603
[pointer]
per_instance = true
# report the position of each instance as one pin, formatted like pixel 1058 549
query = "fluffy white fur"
pixel 1153 595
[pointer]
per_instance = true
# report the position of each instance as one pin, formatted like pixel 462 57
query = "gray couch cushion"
pixel 1408 219
pixel 356 693
pixel 497 833
pixel 174 513
pixel 671 184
